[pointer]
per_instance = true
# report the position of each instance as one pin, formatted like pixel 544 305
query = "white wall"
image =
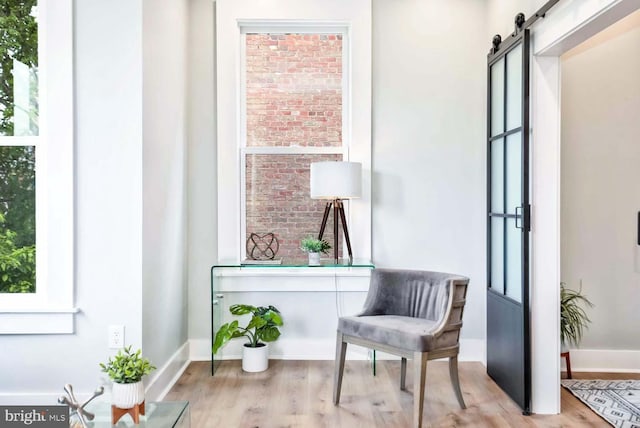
pixel 202 165
pixel 601 198
pixel 131 203
pixel 164 118
pixel 428 191
pixel 108 92
pixel 428 142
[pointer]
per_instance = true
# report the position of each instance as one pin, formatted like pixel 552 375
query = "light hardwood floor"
pixel 298 394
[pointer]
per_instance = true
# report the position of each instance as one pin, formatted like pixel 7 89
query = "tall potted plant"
pixel 573 317
pixel 126 369
pixel 262 328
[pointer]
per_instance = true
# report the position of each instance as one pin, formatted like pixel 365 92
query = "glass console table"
pixel 300 267
pixel 161 414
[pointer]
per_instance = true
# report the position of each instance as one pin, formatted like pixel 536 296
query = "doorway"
pixel 568 26
pixel 600 196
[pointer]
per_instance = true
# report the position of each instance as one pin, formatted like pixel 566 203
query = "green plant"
pixel 573 318
pixel 312 245
pixel 127 366
pixel 263 326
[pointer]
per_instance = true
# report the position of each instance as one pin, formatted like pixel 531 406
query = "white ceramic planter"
pixel 127 395
pixel 314 259
pixel 255 359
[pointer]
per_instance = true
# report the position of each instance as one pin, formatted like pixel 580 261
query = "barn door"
pixel 508 347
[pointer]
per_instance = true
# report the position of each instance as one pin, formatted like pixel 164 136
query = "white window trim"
pixel 235 17
pixel 50 309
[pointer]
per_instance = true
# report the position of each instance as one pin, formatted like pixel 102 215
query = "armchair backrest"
pixel 418 294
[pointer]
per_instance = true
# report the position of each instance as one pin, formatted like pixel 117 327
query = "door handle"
pixel 518 216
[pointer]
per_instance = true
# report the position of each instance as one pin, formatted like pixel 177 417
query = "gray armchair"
pixel 413 314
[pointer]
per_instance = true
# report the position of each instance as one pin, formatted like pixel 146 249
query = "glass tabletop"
pixel 161 414
pixel 295 263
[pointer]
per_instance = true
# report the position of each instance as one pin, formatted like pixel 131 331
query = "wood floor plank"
pixel 299 394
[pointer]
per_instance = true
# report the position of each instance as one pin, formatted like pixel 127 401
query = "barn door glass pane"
pixel 514 88
pixel 497 98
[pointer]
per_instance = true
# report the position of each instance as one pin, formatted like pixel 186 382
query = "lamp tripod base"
pixel 338 212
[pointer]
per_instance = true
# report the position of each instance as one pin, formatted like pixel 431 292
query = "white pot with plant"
pixel 573 318
pixel 262 328
pixel 126 369
pixel 314 247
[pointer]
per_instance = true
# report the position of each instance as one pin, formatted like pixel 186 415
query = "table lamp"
pixel 336 181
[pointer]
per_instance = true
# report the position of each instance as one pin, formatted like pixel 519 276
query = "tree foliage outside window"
pixel 18 67
pixel 18 117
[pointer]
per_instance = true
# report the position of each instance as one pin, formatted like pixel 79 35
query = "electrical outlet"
pixel 116 336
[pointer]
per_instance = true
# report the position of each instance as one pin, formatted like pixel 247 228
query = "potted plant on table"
pixel 126 369
pixel 262 328
pixel 314 247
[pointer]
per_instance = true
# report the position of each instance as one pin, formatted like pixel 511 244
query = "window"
pixel 293 87
pixel 18 118
pixel 293 101
pixel 36 166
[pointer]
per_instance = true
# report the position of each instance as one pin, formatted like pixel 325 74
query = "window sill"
pixel 37 321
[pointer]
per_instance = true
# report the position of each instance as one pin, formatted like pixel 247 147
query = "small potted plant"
pixel 314 247
pixel 126 370
pixel 573 318
pixel 262 328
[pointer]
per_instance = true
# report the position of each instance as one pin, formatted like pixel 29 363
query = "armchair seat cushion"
pixel 414 334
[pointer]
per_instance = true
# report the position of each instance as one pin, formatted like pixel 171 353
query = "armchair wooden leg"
pixel 403 373
pixel 453 372
pixel 419 377
pixel 341 351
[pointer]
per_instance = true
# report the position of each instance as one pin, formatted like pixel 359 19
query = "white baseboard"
pixel 306 349
pixel 168 374
pixel 604 360
pixel 157 387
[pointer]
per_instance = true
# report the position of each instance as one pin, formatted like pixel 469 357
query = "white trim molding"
pixel 566 25
pixel 165 377
pixel 40 312
pixel 604 360
pixel 233 17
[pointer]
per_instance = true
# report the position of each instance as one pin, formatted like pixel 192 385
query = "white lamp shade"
pixel 336 180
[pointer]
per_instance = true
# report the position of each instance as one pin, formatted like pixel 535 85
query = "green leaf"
pixel 241 309
pixel 274 317
pixel 269 334
pixel 256 322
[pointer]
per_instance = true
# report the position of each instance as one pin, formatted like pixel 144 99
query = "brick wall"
pixel 278 201
pixel 294 89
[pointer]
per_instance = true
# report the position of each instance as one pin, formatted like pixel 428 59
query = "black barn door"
pixel 508 346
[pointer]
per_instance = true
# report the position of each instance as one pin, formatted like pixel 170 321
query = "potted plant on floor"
pixel 314 247
pixel 126 369
pixel 573 317
pixel 262 328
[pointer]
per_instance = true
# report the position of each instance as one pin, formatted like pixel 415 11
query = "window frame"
pixel 235 18
pixel 50 309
